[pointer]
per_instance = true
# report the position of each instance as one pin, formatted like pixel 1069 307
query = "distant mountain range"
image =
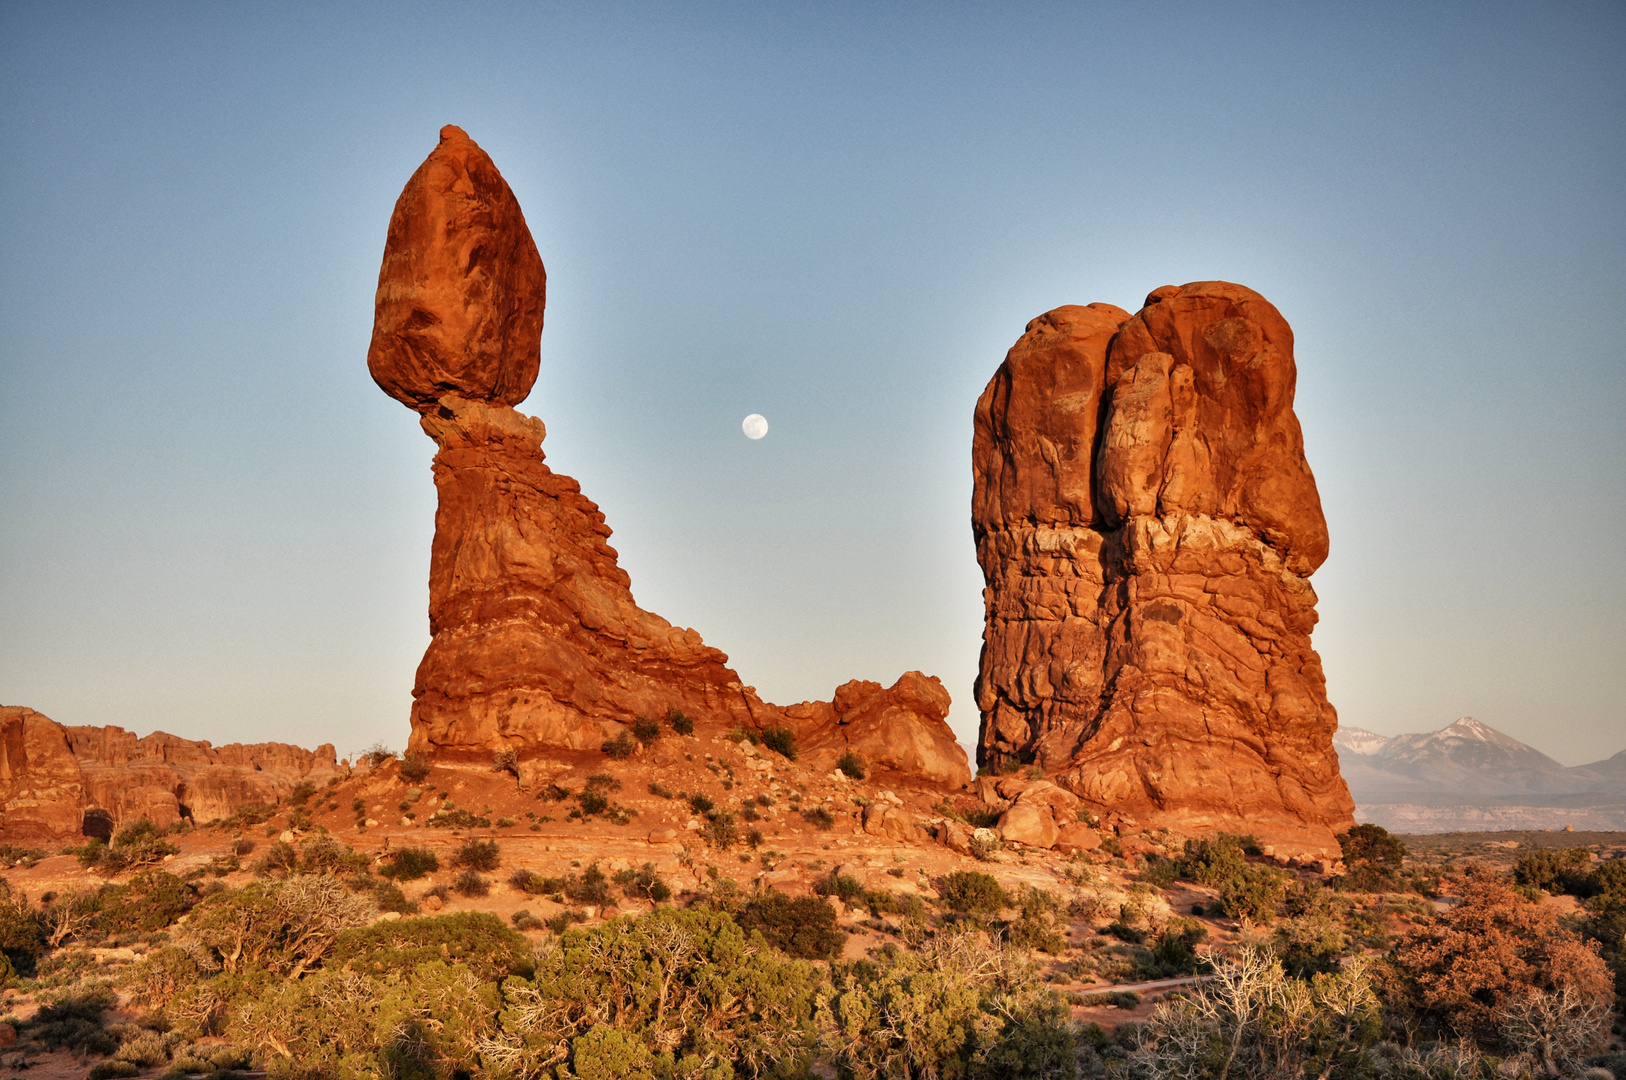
pixel 1469 776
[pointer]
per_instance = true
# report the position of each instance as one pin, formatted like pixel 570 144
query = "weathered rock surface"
pixel 902 727
pixel 536 641
pixel 536 638
pixel 1147 524
pixel 51 776
pixel 461 289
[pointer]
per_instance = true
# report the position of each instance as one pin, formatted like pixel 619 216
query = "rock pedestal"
pixel 536 641
pixel 1147 525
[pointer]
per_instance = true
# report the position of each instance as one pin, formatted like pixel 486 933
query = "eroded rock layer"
pixel 55 780
pixel 536 641
pixel 1147 525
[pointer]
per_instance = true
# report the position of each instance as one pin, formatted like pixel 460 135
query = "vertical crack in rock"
pixel 1147 526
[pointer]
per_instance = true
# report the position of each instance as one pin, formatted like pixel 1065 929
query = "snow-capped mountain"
pixel 1456 776
pixel 1354 740
pixel 1465 758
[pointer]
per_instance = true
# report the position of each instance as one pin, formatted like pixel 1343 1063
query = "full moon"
pixel 755 426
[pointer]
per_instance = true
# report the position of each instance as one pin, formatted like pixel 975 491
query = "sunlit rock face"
pixel 462 288
pixel 1147 525
pixel 536 641
pixel 54 779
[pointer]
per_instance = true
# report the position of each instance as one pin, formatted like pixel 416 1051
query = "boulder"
pixel 1148 609
pixel 889 822
pixel 461 289
pixel 1028 823
pixel 1076 836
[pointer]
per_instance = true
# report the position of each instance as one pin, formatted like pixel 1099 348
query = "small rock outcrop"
pixel 903 727
pixel 536 641
pixel 57 781
pixel 1147 525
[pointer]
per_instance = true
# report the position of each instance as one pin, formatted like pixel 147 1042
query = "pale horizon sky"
pixel 838 216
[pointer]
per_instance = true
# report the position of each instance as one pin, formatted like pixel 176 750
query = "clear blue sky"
pixel 839 216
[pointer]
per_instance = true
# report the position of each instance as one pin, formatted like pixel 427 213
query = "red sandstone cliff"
pixel 52 776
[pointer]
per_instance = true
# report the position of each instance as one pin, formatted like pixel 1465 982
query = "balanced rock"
pixel 536 640
pixel 461 289
pixel 1147 524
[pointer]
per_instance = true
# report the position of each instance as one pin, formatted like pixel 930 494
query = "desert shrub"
pixel 324 854
pixel 1212 862
pixel 819 818
pixel 278 860
pixel 853 765
pixel 803 927
pixel 1036 925
pixel 478 855
pixel 75 1021
pixel 285 927
pixel 24 857
pixel 1307 945
pixel 1491 950
pixel 389 897
pixel 645 730
pixel 1555 870
pixel 781 741
pixel 636 995
pixel 1372 859
pixel 1256 1022
pixel 592 887
pixel 151 900
pixel 984 845
pixel 839 885
pixel 680 722
pixel 1252 893
pixel 524 920
pixel 620 747
pixel 721 830
pixel 700 803
pixel 592 802
pixel 477 940
pixel 301 794
pixel 961 1007
pixel 457 818
pixel 114 1068
pixel 414 768
pixel 534 884
pixel 658 790
pixel 410 863
pixel 506 760
pixel 971 892
pixel 643 884
pixel 140 843
pixel 22 930
pixel 470 883
pixel 376 755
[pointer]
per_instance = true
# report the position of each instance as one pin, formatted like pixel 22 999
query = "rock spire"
pixel 1147 526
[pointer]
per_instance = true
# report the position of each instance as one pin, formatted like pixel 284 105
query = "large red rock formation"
pixel 461 291
pixel 536 640
pixel 52 776
pixel 1147 524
